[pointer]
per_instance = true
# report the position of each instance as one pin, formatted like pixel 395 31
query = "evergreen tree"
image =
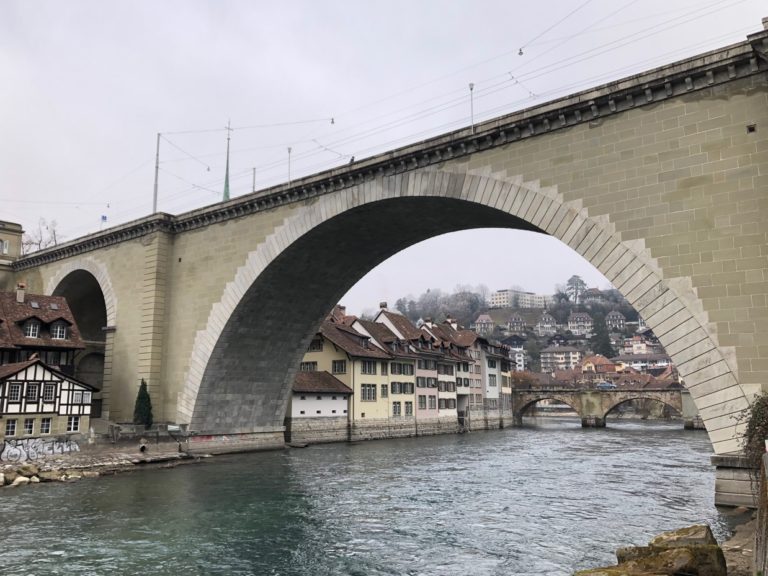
pixel 142 411
pixel 601 340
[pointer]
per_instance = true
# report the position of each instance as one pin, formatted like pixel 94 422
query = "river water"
pixel 545 499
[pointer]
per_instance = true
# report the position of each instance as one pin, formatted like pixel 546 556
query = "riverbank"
pixel 91 463
pixel 739 548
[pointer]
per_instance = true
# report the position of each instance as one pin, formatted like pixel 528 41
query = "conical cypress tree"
pixel 142 411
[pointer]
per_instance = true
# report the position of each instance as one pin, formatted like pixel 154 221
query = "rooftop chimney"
pixel 765 23
pixel 20 287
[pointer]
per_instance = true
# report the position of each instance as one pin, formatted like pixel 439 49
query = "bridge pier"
pixel 592 422
pixel 733 481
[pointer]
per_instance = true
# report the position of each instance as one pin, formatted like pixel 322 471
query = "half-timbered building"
pixel 38 400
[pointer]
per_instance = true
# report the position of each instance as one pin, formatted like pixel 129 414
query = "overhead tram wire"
pixel 563 19
pixel 398 121
pixel 356 136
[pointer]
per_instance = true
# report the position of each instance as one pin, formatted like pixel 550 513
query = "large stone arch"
pixel 249 395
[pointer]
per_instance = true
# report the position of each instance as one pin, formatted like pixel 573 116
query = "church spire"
pixel 226 174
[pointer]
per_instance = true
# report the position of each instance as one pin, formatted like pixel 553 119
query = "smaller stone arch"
pixel 673 399
pixel 523 402
pixel 99 271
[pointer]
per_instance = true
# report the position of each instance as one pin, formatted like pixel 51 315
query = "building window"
pixel 422 402
pixel 59 331
pixel 14 392
pixel 368 392
pixel 491 363
pixel 384 391
pixel 32 329
pixel 45 426
pixel 432 402
pixel 49 392
pixel 308 367
pixel 316 346
pixel 396 409
pixel 77 397
pixel 10 427
pixel 492 380
pixel 339 366
pixel 384 368
pixel 368 367
pixel 421 381
pixel 409 408
pixel 29 426
pixel 86 397
pixel 33 391
pixel 73 423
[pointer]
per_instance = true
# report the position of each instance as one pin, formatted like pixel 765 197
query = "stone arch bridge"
pixel 593 406
pixel 659 180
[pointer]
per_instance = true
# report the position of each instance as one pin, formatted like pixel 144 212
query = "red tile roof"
pixel 47 309
pixel 319 382
pixel 402 325
pixel 353 343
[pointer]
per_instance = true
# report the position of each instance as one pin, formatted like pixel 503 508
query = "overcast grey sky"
pixel 87 85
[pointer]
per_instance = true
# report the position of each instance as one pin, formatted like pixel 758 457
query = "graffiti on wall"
pixel 25 449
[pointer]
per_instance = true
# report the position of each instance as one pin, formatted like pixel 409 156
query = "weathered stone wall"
pixel 317 430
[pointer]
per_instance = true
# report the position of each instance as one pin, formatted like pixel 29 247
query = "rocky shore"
pixel 91 464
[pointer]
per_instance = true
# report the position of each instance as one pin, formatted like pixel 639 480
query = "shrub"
pixel 142 411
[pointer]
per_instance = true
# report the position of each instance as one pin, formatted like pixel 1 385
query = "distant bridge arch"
pixel 594 406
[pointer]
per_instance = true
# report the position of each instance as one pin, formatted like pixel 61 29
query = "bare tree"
pixel 43 236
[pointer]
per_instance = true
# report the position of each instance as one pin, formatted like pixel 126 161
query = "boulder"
pixel 28 470
pixel 20 480
pixel 50 476
pixel 698 534
pixel 34 480
pixel 691 550
pixel 10 476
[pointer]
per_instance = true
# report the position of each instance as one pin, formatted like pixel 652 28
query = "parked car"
pixel 606 386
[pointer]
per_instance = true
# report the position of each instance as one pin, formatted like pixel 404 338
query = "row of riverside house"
pixel 387 378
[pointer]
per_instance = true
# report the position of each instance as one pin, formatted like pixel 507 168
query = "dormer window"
pixel 32 329
pixel 59 331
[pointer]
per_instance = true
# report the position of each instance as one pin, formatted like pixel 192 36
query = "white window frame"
pixel 73 423
pixel 29 426
pixel 49 392
pixel 32 329
pixel 10 427
pixel 14 392
pixel 59 331
pixel 45 426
